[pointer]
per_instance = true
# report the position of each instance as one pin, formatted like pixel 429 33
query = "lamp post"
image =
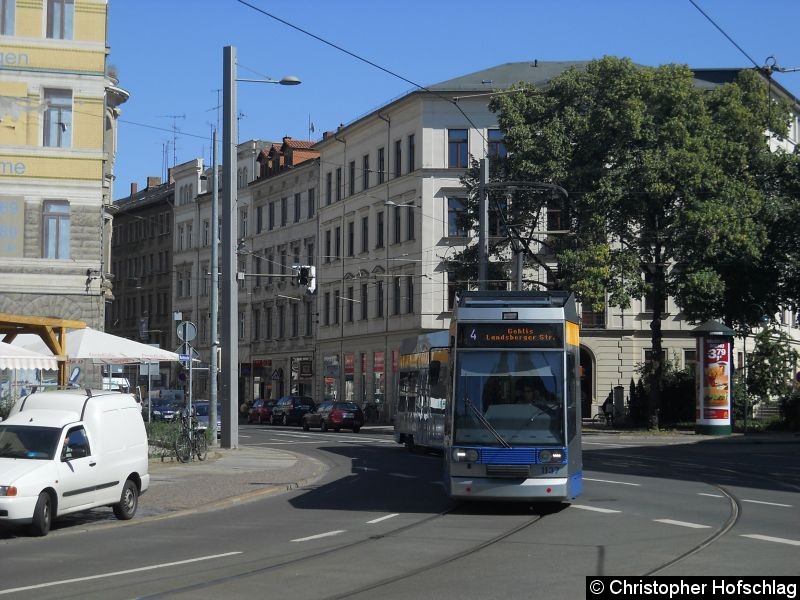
pixel 228 334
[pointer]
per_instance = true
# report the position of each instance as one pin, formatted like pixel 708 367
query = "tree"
pixel 673 190
pixel 772 365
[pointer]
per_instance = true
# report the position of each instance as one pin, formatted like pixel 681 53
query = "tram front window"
pixel 516 395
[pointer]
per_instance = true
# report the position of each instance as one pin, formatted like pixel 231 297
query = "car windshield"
pixel 202 410
pixel 23 441
pixel 510 398
pixel 346 406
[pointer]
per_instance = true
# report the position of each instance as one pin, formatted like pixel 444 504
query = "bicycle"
pixel 603 418
pixel 191 440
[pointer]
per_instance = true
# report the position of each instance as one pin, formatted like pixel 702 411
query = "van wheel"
pixel 128 502
pixel 42 515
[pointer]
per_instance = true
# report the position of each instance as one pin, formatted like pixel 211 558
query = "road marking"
pixel 710 495
pixel 115 573
pixel 682 524
pixel 378 520
pixel 768 503
pixel 595 508
pixel 609 481
pixel 768 538
pixel 320 535
pixel 403 475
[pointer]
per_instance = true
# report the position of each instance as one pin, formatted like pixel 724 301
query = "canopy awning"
pixel 15 357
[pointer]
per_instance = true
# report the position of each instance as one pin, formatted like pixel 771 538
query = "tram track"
pixel 339 548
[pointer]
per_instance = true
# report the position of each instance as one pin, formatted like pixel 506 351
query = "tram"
pixel 422 391
pixel 512 422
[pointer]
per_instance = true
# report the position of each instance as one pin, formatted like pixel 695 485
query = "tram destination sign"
pixel 511 335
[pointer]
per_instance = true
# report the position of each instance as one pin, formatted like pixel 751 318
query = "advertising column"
pixel 714 409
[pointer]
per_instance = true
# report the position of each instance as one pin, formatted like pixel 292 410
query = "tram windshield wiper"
pixel 486 425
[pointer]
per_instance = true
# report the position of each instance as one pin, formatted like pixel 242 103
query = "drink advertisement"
pixel 714 406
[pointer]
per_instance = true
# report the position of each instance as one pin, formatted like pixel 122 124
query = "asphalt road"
pixel 378 525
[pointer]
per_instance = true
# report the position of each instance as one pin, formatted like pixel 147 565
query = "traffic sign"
pixel 187 331
pixel 183 357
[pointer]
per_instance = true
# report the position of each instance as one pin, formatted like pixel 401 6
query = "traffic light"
pixel 302 279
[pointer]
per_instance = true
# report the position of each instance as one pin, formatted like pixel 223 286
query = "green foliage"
pixel 677 390
pixel 790 410
pixel 772 365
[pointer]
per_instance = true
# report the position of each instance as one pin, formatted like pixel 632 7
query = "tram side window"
pixel 438 391
pixel 572 399
pixel 413 389
pixel 402 400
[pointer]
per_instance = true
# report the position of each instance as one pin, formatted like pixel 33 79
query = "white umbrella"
pixel 102 347
pixel 15 357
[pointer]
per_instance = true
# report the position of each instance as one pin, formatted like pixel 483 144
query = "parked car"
pixel 164 411
pixel 289 410
pixel 261 411
pixel 201 412
pixel 335 415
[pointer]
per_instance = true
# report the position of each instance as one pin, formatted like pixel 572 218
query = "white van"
pixel 67 451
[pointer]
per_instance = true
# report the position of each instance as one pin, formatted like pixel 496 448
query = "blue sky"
pixel 169 56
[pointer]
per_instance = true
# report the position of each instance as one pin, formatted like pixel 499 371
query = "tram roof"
pixel 521 299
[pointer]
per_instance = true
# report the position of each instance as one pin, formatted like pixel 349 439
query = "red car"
pixel 335 415
pixel 261 411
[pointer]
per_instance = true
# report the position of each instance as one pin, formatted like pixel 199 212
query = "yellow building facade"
pixel 58 115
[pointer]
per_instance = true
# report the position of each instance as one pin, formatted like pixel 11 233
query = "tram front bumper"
pixel 555 489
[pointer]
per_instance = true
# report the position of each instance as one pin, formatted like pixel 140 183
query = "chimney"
pixel 134 187
pixel 153 181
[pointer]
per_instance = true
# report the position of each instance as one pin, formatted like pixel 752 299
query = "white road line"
pixel 768 538
pixel 115 573
pixel 710 495
pixel 321 535
pixel 403 475
pixel 609 481
pixel 768 503
pixel 594 508
pixel 378 520
pixel 585 443
pixel 682 524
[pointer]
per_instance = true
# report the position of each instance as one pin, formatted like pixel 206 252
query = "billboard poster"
pixel 715 383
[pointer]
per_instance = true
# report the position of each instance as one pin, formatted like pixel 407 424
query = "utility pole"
pixel 230 301
pixel 213 367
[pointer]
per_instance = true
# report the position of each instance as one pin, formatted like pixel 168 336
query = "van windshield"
pixel 22 441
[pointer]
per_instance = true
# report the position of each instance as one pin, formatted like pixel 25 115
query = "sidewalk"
pixel 229 477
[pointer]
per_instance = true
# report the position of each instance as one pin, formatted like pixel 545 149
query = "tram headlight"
pixel 465 455
pixel 551 456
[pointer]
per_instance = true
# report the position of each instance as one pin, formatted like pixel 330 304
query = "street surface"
pixel 378 524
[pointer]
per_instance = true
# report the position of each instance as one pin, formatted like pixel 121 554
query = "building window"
pixel 351 238
pixel 310 254
pixel 242 322
pixel 271 219
pixel 689 359
pixel 336 307
pixel 337 243
pixel 452 290
pixel 242 223
pixel 309 318
pixel 311 202
pixel 365 172
pixel 379 241
pixel 284 211
pixel 398 157
pixel 270 267
pixel 56 223
pixel 411 153
pixel 207 231
pixel 409 294
pixel 297 208
pixel 338 183
pixel 268 323
pixel 649 303
pixel 328 187
pixel 410 222
pixel 328 246
pixel 381 165
pixel 7 17
pixel 397 212
pixel 326 306
pixel 257 269
pixel 455 214
pixel 295 320
pixel 60 17
pixel 457 148
pixel 364 302
pixel 593 319
pixel 379 298
pixel 396 294
pixel 365 234
pixel 497 144
pixel 350 301
pixel 352 183
pixel 57 118
pixel 256 329
pixel 281 322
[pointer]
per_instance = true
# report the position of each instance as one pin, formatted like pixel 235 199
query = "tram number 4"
pixel 473 336
pixel 549 470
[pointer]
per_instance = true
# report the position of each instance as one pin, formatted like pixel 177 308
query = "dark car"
pixel 261 411
pixel 289 410
pixel 201 409
pixel 164 411
pixel 335 415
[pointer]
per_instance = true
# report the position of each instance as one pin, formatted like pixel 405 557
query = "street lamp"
pixel 230 302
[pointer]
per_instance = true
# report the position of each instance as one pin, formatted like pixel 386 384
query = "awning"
pixel 15 357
